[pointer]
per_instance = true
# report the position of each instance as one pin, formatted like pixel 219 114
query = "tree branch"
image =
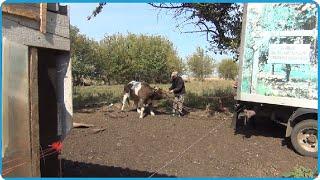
pixel 97 10
pixel 164 6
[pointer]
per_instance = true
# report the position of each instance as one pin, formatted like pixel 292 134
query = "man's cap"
pixel 175 73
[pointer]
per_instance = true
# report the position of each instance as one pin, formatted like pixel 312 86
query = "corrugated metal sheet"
pixel 15 118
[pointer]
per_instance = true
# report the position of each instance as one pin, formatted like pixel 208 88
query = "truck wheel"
pixel 304 138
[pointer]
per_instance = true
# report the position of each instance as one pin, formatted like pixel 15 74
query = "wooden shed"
pixel 36 88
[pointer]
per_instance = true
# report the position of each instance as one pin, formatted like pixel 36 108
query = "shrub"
pixel 211 97
pixel 81 100
pixel 301 172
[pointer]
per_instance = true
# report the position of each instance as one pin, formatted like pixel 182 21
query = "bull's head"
pixel 158 93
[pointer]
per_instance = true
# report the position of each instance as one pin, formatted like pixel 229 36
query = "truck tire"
pixel 304 137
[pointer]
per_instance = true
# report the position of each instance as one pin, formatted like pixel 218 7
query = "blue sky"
pixel 138 18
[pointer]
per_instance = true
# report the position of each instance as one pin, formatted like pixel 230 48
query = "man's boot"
pixel 174 113
pixel 181 114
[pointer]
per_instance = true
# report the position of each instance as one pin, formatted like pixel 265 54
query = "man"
pixel 178 89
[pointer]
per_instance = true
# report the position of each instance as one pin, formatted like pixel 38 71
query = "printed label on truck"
pixel 289 54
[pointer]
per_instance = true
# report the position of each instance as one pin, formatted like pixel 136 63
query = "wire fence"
pixel 20 160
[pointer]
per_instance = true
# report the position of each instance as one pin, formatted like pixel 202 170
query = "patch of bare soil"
pixel 122 145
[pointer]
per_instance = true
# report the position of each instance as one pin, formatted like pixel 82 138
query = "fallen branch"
pixel 82 125
pixel 95 131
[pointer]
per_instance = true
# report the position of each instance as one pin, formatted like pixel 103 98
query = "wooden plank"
pixel 30 23
pixel 26 10
pixel 34 112
pixel 31 36
pixel 43 17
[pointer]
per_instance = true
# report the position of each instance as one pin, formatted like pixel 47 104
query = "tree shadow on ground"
pixel 81 169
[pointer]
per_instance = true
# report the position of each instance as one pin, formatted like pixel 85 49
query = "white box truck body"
pixel 278 74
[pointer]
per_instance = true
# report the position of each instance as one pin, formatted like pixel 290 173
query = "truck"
pixel 278 70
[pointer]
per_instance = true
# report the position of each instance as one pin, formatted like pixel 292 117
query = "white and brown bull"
pixel 142 94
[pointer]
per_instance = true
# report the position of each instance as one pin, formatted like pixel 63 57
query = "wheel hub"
pixel 311 139
pixel 307 139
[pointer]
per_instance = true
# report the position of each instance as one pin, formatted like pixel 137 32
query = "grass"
pixel 197 96
pixel 211 97
pixel 301 172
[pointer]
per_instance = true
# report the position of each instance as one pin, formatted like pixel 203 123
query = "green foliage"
pixel 228 69
pixel 83 55
pixel 122 58
pixel 145 58
pixel 196 96
pixel 84 96
pixel 200 64
pixel 301 172
pixel 221 22
pixel 202 93
pixel 164 103
pixel 82 100
pixel 211 97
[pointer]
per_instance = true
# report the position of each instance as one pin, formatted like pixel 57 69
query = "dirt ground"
pixel 165 146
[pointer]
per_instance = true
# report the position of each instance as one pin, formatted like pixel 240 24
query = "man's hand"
pixel 235 85
pixel 171 91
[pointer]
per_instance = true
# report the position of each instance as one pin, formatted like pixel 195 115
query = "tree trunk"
pixel 288 71
pixel 272 72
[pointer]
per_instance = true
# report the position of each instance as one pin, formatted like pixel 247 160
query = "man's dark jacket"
pixel 178 86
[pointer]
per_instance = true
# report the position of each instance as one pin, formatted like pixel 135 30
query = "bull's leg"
pixel 151 110
pixel 142 105
pixel 124 100
pixel 136 104
pixel 142 112
pixel 152 113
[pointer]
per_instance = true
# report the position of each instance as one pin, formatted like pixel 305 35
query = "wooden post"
pixel 43 17
pixel 34 112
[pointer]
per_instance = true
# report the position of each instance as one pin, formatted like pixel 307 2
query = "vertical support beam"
pixel 34 112
pixel 64 94
pixel 43 17
pixel 241 52
pixel 4 99
pixel 16 109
